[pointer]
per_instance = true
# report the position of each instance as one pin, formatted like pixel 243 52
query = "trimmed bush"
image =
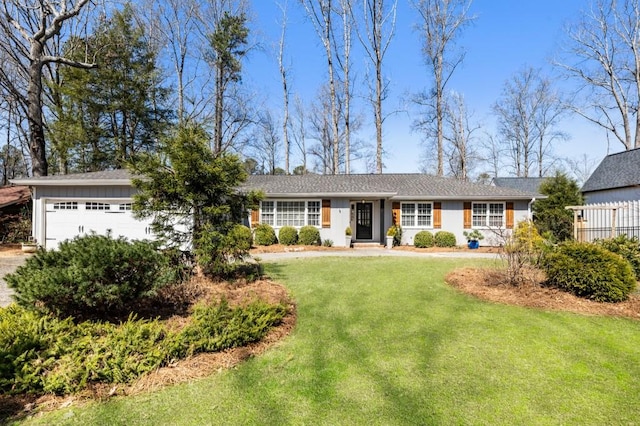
pixel 264 235
pixel 93 276
pixel 423 239
pixel 309 236
pixel 629 248
pixel 241 237
pixel 444 239
pixel 590 271
pixel 288 235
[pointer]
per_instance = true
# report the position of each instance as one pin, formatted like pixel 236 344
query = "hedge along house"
pixel 370 204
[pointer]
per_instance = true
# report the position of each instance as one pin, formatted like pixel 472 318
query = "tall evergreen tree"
pixel 550 214
pixel 106 115
pixel 193 196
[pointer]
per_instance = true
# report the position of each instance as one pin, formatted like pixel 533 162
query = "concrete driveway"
pixel 8 264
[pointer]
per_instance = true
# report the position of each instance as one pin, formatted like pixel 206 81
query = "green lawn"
pixel 384 341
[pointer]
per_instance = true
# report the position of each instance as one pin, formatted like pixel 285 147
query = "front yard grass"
pixel 385 341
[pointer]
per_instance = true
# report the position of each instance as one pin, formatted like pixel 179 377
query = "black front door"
pixel 364 221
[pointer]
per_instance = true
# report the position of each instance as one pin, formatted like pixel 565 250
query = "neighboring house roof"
pixel 618 170
pixel 10 195
pixel 398 186
pixel 524 184
pixel 107 177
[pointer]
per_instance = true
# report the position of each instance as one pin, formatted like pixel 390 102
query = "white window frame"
pixel 415 216
pixel 97 205
pixel 488 215
pixel 312 215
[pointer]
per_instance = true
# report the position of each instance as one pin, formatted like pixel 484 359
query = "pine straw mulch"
pixel 201 365
pixel 492 285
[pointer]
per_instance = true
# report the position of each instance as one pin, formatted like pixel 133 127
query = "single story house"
pixel 370 203
pixel 617 178
pixel 66 206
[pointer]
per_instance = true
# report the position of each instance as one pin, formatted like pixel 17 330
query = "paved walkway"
pixel 373 252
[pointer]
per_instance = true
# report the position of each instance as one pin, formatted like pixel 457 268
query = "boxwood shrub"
pixel 590 271
pixel 444 239
pixel 264 235
pixel 241 237
pixel 93 276
pixel 288 235
pixel 309 235
pixel 423 239
pixel 629 248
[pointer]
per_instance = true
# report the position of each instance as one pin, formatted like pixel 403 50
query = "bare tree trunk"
pixel 26 31
pixel 605 51
pixel 320 16
pixel 376 18
pixel 442 21
pixel 285 91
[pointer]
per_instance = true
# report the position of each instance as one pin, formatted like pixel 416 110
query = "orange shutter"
pixel 326 213
pixel 437 215
pixel 395 213
pixel 467 215
pixel 255 218
pixel 509 215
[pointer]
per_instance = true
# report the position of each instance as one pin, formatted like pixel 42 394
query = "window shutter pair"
pixel 437 214
pixel 326 215
pixel 508 215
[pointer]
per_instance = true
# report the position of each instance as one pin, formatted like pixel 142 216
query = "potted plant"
pixel 347 236
pixel 394 234
pixel 30 246
pixel 473 238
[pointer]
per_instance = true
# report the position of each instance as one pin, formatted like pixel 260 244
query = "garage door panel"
pixel 69 219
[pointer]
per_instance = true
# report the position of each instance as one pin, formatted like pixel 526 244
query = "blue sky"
pixel 506 36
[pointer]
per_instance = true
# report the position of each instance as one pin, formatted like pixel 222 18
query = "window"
pixel 416 215
pixel 488 215
pixel 97 206
pixel 69 205
pixel 124 207
pixel 313 213
pixel 290 213
pixel 266 213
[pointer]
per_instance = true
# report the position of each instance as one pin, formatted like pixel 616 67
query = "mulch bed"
pixel 491 285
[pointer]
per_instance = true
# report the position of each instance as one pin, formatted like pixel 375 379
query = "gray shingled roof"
pixel 386 185
pixel 524 184
pixel 106 177
pixel 615 171
pixel 405 186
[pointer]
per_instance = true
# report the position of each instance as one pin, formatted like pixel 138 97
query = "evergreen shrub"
pixel 423 239
pixel 590 271
pixel 309 236
pixel 444 239
pixel 93 276
pixel 288 235
pixel 264 235
pixel 241 237
pixel 629 248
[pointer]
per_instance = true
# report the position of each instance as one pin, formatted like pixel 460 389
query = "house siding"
pixel 613 195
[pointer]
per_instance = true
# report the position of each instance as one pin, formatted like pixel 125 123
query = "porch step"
pixel 367 246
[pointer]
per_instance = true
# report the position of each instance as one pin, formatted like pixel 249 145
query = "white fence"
pixel 606 220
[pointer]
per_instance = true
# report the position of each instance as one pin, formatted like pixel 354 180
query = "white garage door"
pixel 68 219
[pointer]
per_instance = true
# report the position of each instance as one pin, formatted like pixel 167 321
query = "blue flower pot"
pixel 473 244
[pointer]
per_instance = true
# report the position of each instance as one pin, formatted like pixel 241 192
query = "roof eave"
pixel 328 194
pixel 72 182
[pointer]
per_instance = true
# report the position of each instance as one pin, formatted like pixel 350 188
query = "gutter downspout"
pixel 529 212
